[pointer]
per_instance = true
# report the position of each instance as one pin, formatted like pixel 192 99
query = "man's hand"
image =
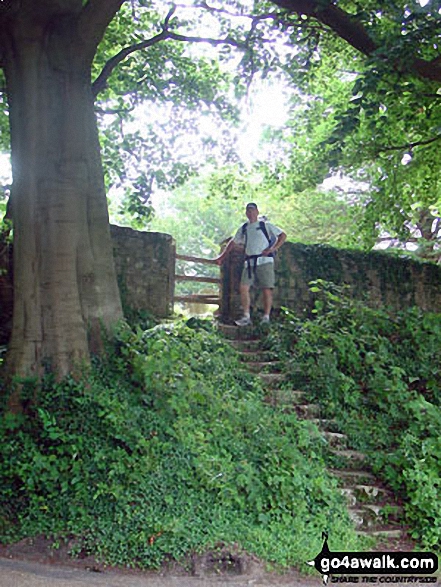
pixel 276 246
pixel 268 251
pixel 219 260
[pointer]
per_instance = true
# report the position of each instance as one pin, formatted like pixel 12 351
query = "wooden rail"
pixel 198 298
pixel 194 259
pixel 198 279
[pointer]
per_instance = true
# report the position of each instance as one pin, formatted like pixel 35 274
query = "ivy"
pixel 164 449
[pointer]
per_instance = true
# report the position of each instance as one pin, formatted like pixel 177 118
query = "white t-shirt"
pixel 256 240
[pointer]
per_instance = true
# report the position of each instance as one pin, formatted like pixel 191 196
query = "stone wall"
pixel 380 278
pixel 145 267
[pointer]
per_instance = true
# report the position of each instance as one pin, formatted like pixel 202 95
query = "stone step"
pixel 388 512
pixel 371 516
pixel 325 424
pixel 233 332
pixel 285 397
pixel 371 506
pixel 307 411
pixel 360 519
pixel 336 439
pixel 264 366
pixel 368 497
pixel 353 476
pixel 349 496
pixel 387 532
pixel 369 493
pixel 346 458
pixel 272 379
pixel 365 520
pixel 246 345
pixel 257 356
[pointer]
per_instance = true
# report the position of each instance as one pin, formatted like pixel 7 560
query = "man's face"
pixel 252 213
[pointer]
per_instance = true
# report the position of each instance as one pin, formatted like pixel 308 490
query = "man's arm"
pixel 276 246
pixel 230 246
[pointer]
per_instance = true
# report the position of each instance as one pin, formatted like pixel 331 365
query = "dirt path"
pixel 16 573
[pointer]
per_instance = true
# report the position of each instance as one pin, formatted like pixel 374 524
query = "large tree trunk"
pixel 64 279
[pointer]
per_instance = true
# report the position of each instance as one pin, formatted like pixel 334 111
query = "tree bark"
pixel 64 278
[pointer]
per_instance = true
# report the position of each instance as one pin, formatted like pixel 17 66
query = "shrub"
pixel 166 448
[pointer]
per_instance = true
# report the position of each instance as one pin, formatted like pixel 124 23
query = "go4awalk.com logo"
pixel 388 567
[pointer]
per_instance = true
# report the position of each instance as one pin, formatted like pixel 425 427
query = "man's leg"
pixel 267 301
pixel 244 290
pixel 246 303
pixel 267 281
pixel 245 298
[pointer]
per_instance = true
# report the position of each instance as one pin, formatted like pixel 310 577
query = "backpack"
pixel 262 227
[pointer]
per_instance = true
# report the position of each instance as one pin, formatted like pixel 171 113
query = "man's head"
pixel 252 212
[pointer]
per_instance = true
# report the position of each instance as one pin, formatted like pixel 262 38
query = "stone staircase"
pixel 372 506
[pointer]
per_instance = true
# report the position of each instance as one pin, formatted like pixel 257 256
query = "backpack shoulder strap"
pixel 263 228
pixel 271 240
pixel 245 233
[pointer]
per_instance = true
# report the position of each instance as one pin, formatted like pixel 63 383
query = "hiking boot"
pixel 245 321
pixel 265 320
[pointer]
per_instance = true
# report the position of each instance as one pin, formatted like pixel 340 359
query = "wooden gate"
pixel 200 297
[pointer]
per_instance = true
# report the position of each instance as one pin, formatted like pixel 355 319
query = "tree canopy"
pixel 364 81
pixel 380 69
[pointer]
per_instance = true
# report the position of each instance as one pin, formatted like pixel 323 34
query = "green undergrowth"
pixel 379 376
pixel 166 448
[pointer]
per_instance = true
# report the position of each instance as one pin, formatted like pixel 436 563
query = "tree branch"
pixel 93 21
pixel 410 146
pixel 117 111
pixel 428 69
pixel 101 81
pixel 209 41
pixel 335 18
pixel 354 33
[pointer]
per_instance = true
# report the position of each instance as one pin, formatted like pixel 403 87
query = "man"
pixel 260 240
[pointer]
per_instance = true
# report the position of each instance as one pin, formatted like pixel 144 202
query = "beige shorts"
pixel 263 277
